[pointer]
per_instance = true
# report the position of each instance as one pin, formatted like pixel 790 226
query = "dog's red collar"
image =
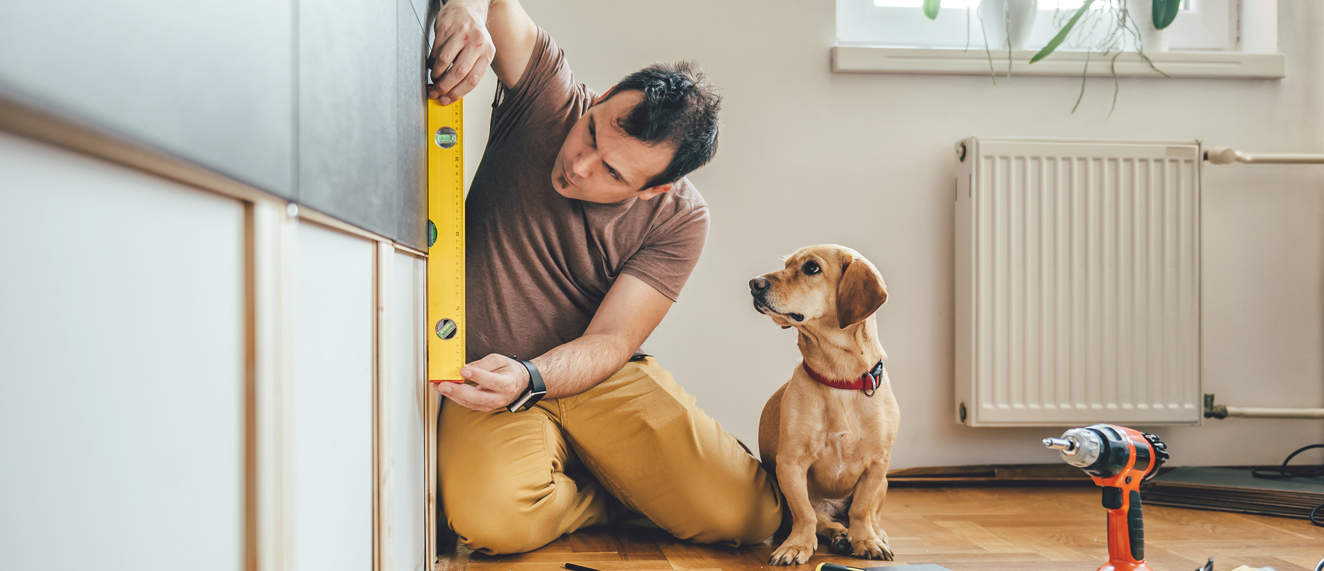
pixel 868 383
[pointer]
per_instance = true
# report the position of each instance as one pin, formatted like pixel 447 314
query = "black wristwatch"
pixel 537 389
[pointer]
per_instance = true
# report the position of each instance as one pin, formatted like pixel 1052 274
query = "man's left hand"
pixel 461 50
pixel 500 380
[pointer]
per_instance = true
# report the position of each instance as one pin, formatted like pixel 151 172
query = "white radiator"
pixel 1077 282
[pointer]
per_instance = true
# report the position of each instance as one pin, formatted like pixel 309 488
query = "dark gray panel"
pixel 411 165
pixel 209 82
pixel 347 111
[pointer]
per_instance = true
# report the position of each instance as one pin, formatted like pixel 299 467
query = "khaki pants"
pixel 512 483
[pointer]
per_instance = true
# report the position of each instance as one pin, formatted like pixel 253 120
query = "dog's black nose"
pixel 757 285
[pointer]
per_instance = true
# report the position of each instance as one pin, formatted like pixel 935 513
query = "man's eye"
pixel 811 268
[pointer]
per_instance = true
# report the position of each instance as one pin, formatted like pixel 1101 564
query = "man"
pixel 581 232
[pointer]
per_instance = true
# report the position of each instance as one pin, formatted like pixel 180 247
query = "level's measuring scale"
pixel 446 327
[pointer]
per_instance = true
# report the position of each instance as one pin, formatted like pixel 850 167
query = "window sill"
pixel 950 61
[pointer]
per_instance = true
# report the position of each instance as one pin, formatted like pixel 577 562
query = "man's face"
pixel 600 163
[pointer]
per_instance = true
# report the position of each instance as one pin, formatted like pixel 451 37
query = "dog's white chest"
pixel 840 447
pixel 839 464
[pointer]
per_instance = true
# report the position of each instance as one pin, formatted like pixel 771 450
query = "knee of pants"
pixel 497 482
pixel 496 537
pixel 736 527
pixel 499 525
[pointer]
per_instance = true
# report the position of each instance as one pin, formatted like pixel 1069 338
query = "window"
pixel 1204 25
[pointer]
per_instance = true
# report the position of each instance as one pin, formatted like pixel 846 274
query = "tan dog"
pixel 825 442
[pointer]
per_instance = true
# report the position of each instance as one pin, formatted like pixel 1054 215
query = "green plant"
pixel 931 8
pixel 1120 26
pixel 1165 11
pixel 1063 33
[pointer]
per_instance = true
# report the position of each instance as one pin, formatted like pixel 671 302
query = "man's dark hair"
pixel 679 109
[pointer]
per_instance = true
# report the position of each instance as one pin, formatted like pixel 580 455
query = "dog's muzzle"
pixel 758 287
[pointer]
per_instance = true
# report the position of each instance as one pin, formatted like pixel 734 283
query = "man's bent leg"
pixel 503 483
pixel 650 446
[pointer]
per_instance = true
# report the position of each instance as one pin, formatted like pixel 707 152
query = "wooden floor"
pixel 974 529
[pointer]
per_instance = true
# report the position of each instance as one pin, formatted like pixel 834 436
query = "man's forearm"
pixel 581 364
pixel 626 317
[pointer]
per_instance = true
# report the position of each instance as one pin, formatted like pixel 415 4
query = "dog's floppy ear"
pixel 860 292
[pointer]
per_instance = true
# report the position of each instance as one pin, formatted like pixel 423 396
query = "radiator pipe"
pixel 1221 411
pixel 1226 156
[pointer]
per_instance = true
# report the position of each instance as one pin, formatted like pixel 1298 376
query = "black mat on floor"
pixel 1234 490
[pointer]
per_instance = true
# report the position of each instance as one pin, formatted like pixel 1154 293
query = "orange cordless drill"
pixel 1118 458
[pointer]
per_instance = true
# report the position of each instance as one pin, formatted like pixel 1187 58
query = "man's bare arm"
pixel 627 316
pixel 470 34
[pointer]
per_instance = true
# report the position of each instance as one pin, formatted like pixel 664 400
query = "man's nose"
pixel 758 285
pixel 583 165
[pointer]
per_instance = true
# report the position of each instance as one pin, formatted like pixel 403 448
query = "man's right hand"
pixel 500 381
pixel 461 50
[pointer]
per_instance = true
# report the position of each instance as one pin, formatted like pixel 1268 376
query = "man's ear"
pixel 603 96
pixel 860 292
pixel 649 193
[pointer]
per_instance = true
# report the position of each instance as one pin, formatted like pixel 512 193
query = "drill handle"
pixel 1135 527
pixel 1126 527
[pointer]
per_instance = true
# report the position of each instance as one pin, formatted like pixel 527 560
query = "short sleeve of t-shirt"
pixel 670 254
pixel 545 93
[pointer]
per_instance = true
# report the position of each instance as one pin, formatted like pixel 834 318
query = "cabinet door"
pixel 121 368
pixel 333 432
pixel 410 401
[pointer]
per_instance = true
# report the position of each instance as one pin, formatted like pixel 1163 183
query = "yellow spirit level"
pixel 445 280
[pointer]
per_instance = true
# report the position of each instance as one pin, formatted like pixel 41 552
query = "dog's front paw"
pixel 793 553
pixel 840 544
pixel 872 548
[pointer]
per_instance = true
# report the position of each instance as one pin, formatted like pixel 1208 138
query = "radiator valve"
pixel 1212 410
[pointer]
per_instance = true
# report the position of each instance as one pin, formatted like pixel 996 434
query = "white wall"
pixel 808 156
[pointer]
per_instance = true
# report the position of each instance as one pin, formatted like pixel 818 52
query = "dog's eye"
pixel 811 268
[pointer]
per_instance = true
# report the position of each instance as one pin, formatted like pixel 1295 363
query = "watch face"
pixel 520 402
pixel 533 393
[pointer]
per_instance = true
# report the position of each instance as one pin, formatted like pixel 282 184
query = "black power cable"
pixel 1284 472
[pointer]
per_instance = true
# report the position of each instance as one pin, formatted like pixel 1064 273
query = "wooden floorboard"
pixel 963 529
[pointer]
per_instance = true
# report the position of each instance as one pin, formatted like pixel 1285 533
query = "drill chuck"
pixel 1079 447
pixel 1069 446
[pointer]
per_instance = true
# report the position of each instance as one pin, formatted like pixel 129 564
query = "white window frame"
pixel 1209 25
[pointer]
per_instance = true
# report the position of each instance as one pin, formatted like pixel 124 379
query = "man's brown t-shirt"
pixel 539 264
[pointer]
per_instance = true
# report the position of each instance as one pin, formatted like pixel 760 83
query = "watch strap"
pixel 534 393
